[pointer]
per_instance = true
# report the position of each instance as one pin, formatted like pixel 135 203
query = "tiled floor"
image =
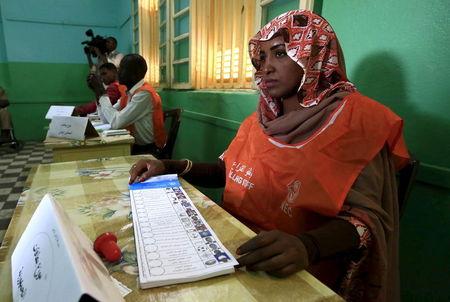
pixel 14 169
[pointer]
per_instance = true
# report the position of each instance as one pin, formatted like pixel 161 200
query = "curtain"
pixel 148 38
pixel 220 31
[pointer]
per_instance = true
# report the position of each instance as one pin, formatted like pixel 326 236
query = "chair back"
pixel 406 178
pixel 172 119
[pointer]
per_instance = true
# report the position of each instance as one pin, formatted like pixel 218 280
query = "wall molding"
pixel 123 23
pixel 435 175
pixel 211 119
pixel 42 21
pixel 427 173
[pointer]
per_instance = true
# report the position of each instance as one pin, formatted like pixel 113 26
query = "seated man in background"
pixel 5 118
pixel 139 111
pixel 108 75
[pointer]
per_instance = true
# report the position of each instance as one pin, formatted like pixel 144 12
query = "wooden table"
pixel 105 146
pixel 95 195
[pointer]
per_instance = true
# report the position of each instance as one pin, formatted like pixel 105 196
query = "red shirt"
pixel 113 93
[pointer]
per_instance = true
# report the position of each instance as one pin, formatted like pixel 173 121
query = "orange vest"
pixel 122 89
pixel 293 187
pixel 159 133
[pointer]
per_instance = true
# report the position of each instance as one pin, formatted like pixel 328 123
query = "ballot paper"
pixel 59 111
pixel 115 132
pixel 174 244
pixel 55 261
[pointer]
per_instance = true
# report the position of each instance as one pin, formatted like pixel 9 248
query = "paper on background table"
pixel 174 243
pixel 59 111
pixel 72 127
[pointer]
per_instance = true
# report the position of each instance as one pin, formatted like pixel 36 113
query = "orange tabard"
pixel 122 89
pixel 272 185
pixel 159 133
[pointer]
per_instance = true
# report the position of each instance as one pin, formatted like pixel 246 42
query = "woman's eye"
pixel 280 53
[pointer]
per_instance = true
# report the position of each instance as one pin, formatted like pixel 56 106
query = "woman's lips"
pixel 270 83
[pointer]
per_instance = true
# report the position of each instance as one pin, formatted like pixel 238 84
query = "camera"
pixel 95 41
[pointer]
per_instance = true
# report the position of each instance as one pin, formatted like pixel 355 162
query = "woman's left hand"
pixel 275 252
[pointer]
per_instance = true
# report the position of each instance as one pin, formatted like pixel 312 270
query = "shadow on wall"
pixel 381 77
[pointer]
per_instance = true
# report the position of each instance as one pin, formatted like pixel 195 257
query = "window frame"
pixel 303 4
pixel 135 25
pixel 173 40
pixel 167 81
pixel 170 40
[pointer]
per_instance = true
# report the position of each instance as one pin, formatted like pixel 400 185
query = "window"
pixel 148 38
pixel 221 30
pixel 174 43
pixel 135 24
pixel 269 9
pixel 204 43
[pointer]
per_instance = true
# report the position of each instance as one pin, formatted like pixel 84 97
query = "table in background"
pixel 95 195
pixel 104 146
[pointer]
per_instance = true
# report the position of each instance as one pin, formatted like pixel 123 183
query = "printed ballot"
pixel 174 244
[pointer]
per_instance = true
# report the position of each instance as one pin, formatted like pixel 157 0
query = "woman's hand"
pixel 275 252
pixel 144 169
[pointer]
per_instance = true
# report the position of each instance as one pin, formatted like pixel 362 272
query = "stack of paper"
pixel 115 132
pixel 174 244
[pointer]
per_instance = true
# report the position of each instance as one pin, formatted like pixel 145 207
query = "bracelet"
pixel 188 167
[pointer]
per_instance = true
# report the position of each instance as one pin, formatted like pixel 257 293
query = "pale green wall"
pixel 395 53
pixel 41 58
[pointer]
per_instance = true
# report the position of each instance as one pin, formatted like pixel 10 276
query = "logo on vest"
pixel 241 174
pixel 293 189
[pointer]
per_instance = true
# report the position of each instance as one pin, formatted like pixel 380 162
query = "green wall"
pixel 395 53
pixel 209 122
pixel 33 87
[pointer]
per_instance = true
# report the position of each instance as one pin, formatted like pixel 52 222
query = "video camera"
pixel 95 41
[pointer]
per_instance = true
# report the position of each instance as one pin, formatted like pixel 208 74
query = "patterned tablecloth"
pixel 95 195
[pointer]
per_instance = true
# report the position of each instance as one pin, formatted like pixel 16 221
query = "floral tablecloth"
pixel 95 195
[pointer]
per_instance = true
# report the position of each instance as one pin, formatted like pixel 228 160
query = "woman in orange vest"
pixel 312 171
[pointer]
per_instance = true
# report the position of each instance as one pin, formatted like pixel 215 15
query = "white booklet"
pixel 174 244
pixel 55 261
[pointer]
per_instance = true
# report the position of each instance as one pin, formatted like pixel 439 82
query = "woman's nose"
pixel 268 66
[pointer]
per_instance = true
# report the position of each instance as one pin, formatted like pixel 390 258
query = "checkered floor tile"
pixel 14 169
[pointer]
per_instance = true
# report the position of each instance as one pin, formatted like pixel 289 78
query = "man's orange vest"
pixel 122 89
pixel 273 185
pixel 159 133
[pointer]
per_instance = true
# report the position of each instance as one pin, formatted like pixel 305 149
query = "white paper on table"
pixel 55 261
pixel 71 127
pixel 100 127
pixel 59 111
pixel 174 243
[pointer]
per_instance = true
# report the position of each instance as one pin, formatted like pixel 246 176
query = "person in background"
pixel 108 75
pixel 110 56
pixel 113 56
pixel 312 171
pixel 5 118
pixel 139 111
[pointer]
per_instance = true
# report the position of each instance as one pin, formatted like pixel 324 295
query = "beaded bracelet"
pixel 188 167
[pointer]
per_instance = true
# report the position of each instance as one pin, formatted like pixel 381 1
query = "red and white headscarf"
pixel 311 43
